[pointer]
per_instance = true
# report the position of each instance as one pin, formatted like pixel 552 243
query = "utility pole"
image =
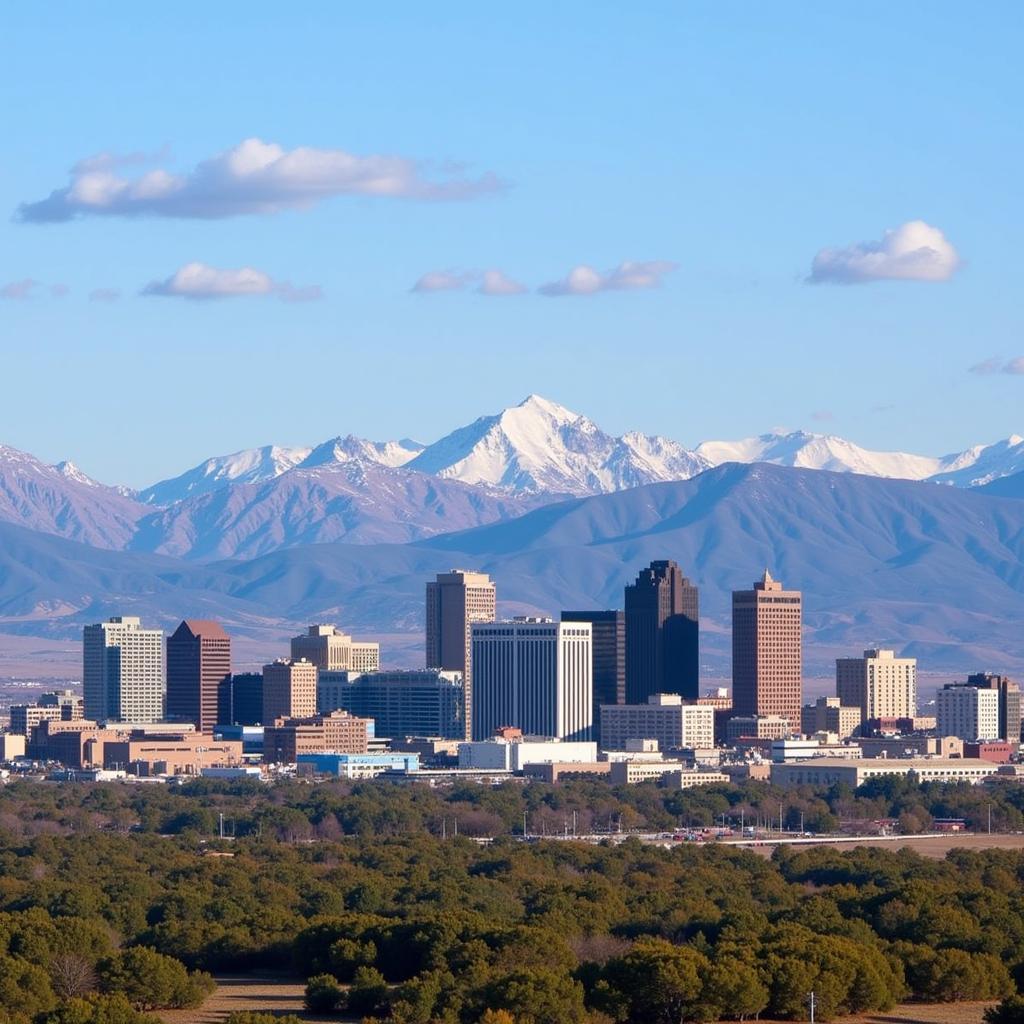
pixel 524 825
pixel 990 819
pixel 221 817
pixel 444 828
pixel 813 1003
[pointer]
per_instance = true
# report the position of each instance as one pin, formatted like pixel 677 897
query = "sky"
pixel 234 224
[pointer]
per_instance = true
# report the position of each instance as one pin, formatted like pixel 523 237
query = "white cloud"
pixel 996 364
pixel 443 281
pixel 494 282
pixel 584 280
pixel 914 251
pixel 252 177
pixel 18 289
pixel 104 295
pixel 201 281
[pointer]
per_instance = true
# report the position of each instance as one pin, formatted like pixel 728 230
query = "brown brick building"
pixel 336 733
pixel 198 665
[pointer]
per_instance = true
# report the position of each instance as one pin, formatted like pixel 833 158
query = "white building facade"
pixel 967 712
pixel 535 675
pixel 665 718
pixel 123 671
pixel 880 684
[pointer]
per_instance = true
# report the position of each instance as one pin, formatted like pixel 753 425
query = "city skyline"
pixel 441 165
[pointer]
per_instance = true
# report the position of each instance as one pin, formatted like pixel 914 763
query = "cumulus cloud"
pixel 489 282
pixel 494 282
pixel 584 280
pixel 443 281
pixel 104 295
pixel 18 289
pixel 914 251
pixel 201 281
pixel 252 177
pixel 996 364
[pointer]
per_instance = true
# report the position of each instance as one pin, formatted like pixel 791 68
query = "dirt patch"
pixel 935 847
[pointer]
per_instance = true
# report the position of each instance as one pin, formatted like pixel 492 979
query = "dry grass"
pixel 935 847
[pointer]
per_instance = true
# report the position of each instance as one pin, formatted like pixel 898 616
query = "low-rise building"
pixel 629 773
pixel 12 745
pixel 512 754
pixel 336 733
pixel 665 717
pixel 758 727
pixel 786 750
pixel 171 753
pixel 996 751
pixel 828 771
pixel 357 766
pixel 911 746
pixel 60 706
pixel 828 714
pixel 687 778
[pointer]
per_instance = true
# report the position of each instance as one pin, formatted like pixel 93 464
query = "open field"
pixel 269 995
pixel 935 847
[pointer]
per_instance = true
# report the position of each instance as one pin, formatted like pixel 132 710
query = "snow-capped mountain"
pixel 355 449
pixel 540 446
pixel 62 500
pixel 249 466
pixel 971 468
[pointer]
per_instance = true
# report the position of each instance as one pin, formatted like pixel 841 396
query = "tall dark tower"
pixel 662 642
pixel 198 665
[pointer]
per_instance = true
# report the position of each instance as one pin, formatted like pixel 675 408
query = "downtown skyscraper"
pixel 123 671
pixel 662 634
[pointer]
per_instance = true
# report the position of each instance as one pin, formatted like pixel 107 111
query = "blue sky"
pixel 733 141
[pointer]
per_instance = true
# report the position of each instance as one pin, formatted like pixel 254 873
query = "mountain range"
pixel 356 491
pixel 937 572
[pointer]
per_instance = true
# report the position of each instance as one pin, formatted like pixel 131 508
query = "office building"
pixel 358 766
pixel 1009 702
pixel 828 771
pixel 534 675
pixel 333 651
pixel 456 600
pixel 336 733
pixel 662 637
pixel 880 684
pixel 767 651
pixel 240 699
pixel 422 702
pixel 198 666
pixel 664 718
pixel 515 754
pixel 60 706
pixel 608 638
pixel 289 689
pixel 829 714
pixel 969 712
pixel 123 671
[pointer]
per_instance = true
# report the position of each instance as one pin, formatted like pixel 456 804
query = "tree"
pixel 100 1009
pixel 1009 1011
pixel 323 994
pixel 150 980
pixel 368 993
pixel 659 982
pixel 72 976
pixel 537 995
pixel 734 990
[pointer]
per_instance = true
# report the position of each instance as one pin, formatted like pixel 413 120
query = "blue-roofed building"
pixel 357 766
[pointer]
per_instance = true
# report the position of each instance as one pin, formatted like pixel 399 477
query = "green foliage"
pixel 98 1009
pixel 150 980
pixel 323 994
pixel 368 993
pixel 1009 1011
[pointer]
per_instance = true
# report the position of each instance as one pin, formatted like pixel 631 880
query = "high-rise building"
pixel 880 684
pixel 198 664
pixel 969 712
pixel 289 690
pixel 240 700
pixel 420 702
pixel 1009 702
pixel 123 671
pixel 534 675
pixel 608 637
pixel 767 651
pixel 455 600
pixel 333 651
pixel 829 714
pixel 662 634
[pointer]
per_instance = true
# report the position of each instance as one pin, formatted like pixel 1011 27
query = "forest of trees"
pixel 116 900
